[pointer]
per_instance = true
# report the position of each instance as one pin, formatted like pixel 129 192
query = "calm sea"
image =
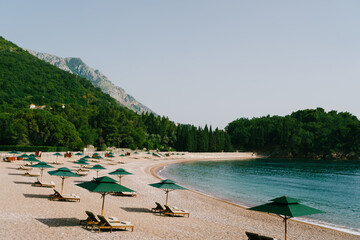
pixel 331 186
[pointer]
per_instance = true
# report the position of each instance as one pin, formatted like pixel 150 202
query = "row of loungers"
pixel 169 211
pixel 105 223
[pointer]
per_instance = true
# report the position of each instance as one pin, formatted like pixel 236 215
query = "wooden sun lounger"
pixel 26 168
pixel 38 183
pixel 83 169
pixel 158 209
pixel 90 220
pixel 106 223
pixel 255 236
pixel 29 174
pixel 173 212
pixel 125 194
pixel 82 173
pixel 57 163
pixel 64 197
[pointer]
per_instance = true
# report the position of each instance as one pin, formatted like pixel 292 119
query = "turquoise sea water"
pixel 331 186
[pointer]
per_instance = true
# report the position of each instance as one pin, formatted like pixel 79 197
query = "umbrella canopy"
pixel 57 154
pixel 23 155
pixel 120 172
pixel 98 157
pixel 82 162
pixel 42 166
pixel 87 156
pixel 286 207
pixel 104 185
pixel 97 168
pixel 63 172
pixel 79 154
pixel 14 152
pixel 32 155
pixel 31 160
pixel 167 185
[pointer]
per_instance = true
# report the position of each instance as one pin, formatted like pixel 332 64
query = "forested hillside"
pixel 311 133
pixel 78 114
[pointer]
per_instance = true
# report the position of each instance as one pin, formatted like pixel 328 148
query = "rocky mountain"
pixel 78 67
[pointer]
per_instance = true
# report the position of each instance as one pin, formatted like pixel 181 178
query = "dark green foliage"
pixel 306 133
pixel 89 117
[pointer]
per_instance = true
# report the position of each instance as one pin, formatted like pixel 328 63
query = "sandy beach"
pixel 27 212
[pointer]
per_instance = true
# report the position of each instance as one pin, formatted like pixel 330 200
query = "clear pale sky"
pixel 205 62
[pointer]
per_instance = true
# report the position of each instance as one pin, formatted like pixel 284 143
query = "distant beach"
pixel 27 213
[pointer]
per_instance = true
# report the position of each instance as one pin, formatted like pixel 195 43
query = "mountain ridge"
pixel 78 67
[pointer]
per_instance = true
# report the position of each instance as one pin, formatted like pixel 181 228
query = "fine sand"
pixel 27 213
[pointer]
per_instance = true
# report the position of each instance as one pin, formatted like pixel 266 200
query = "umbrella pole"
pixel 62 184
pixel 102 209
pixel 41 173
pixel 285 227
pixel 167 194
pixel 120 179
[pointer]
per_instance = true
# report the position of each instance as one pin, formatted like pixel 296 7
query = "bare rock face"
pixel 78 67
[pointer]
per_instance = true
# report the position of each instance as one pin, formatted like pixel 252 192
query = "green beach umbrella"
pixel 82 162
pixel 98 157
pixel 32 155
pixel 63 172
pixel 104 185
pixel 286 208
pixel 167 185
pixel 42 166
pixel 57 155
pixel 120 172
pixel 97 168
pixel 79 154
pixel 14 152
pixel 86 157
pixel 23 156
pixel 31 160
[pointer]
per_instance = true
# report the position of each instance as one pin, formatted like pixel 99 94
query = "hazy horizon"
pixel 205 62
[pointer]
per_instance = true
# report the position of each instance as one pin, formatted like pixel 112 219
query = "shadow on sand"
pixel 36 195
pixel 16 174
pixel 129 209
pixel 27 183
pixel 59 222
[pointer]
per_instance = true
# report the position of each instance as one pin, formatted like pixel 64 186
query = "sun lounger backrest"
pixel 103 221
pixel 167 209
pixel 159 206
pixel 91 216
pixel 252 236
pixel 56 193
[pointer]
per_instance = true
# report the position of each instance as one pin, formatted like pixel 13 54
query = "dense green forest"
pixel 88 117
pixel 311 133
